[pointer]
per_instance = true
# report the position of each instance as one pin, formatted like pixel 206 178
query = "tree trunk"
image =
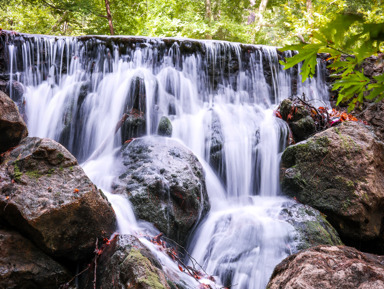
pixel 262 8
pixel 208 10
pixel 216 10
pixel 208 14
pixel 310 11
pixel 109 16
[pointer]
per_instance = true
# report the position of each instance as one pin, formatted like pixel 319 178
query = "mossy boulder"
pixel 165 183
pixel 126 263
pixel 311 226
pixel 340 172
pixel 46 195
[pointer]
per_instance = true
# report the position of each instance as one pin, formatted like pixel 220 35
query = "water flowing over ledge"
pixel 219 97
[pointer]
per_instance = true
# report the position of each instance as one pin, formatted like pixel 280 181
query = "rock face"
pixel 312 228
pixel 23 265
pixel 375 116
pixel 165 184
pixel 127 263
pixel 329 267
pixel 45 194
pixel 12 126
pixel 340 172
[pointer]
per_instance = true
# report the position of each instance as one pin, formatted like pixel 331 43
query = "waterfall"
pixel 219 97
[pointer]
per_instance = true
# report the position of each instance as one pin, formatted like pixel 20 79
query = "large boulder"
pixel 329 267
pixel 45 194
pixel 165 183
pixel 340 172
pixel 310 225
pixel 23 265
pixel 12 126
pixel 126 263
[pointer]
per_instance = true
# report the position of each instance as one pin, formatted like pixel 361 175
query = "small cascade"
pixel 219 97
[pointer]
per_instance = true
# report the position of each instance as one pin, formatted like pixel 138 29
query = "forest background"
pixel 348 30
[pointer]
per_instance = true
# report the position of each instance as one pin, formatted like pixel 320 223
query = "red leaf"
pixel 181 268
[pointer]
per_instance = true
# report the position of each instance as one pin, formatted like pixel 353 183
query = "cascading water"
pixel 219 97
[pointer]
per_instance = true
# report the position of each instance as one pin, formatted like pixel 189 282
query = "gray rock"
pixel 165 183
pixel 312 227
pixel 329 267
pixel 340 172
pixel 303 128
pixel 46 195
pixel 23 265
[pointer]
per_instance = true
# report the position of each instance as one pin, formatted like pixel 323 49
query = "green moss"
pixel 346 204
pixel 16 172
pixel 150 278
pixel 50 172
pixel 171 284
pixel 33 174
pixel 306 151
pixel 60 157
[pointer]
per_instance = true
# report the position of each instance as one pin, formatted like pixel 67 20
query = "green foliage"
pixel 348 30
pixel 349 40
pixel 160 18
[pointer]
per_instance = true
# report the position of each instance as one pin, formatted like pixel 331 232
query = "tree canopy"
pixel 273 22
pixel 348 30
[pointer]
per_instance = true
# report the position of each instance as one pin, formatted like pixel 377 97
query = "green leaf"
pixel 375 92
pixel 307 53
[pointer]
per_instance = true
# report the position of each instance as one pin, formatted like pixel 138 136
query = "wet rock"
pixel 216 150
pixel 312 227
pixel 165 127
pixel 17 90
pixel 135 107
pixel 134 126
pixel 340 172
pixel 23 265
pixel 127 263
pixel 303 128
pixel 12 126
pixel 136 98
pixel 298 118
pixel 165 183
pixel 46 195
pixel 329 267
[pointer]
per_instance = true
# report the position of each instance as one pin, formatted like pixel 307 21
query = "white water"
pixel 241 239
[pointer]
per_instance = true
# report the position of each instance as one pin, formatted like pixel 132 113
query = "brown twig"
pixel 66 285
pixel 95 261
